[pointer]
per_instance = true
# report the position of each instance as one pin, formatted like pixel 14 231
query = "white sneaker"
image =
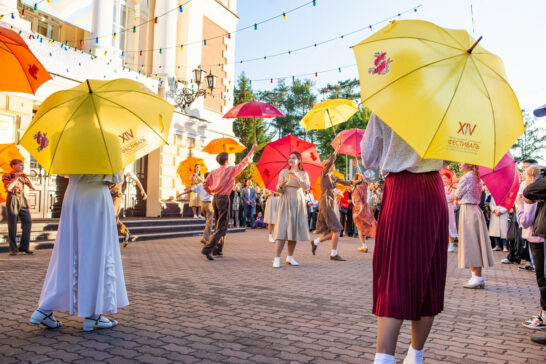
pixel 505 250
pixel 195 217
pixel 271 240
pixel 291 261
pixel 276 263
pixel 475 283
pixel 506 261
pixel 451 248
pixel 100 323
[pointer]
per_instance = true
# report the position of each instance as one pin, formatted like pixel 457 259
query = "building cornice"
pixel 228 9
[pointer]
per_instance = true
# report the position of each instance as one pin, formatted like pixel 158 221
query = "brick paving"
pixel 238 309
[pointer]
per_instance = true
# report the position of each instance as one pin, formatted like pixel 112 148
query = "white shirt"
pixel 382 147
pixel 203 195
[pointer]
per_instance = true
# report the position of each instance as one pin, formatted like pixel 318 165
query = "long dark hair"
pixel 298 155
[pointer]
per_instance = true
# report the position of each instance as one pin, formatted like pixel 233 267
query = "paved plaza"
pixel 238 309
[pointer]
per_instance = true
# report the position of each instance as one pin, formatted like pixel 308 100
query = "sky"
pixel 512 29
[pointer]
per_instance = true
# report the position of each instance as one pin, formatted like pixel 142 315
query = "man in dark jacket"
pixel 537 192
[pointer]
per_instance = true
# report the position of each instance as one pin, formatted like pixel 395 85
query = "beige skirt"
pixel 474 244
pixel 195 201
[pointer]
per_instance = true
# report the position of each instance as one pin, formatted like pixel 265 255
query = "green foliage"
pixel 532 142
pixel 294 102
pixel 244 128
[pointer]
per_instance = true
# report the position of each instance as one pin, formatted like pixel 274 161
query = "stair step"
pixel 48 244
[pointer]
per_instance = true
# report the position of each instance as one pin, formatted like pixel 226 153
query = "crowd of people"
pixel 416 216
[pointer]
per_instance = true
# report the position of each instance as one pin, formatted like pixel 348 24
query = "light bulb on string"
pixel 81 42
pixel 229 35
pixel 180 9
pixel 23 12
pixel 314 2
pixel 35 6
pixel 205 42
pixel 255 26
pixel 339 69
pixel 155 20
pixel 12 16
pixel 97 40
pixel 284 16
pixel 160 51
pixel 134 28
pixel 316 74
pixel 114 36
pixel 181 47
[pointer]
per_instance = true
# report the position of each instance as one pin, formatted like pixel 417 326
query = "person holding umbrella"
pixel 328 223
pixel 362 213
pixel 219 183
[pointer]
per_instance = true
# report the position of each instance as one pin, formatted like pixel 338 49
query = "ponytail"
pixel 476 171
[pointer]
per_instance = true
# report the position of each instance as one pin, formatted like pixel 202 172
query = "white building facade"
pixel 156 42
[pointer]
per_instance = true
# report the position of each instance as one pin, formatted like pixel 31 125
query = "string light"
pixel 180 9
pixel 181 47
pixel 255 26
pixel 35 6
pixel 134 28
pixel 155 20
pixel 284 16
pixel 23 12
pixel 114 36
pixel 97 40
pixel 314 2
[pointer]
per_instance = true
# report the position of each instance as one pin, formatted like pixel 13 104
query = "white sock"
pixel 381 358
pixel 414 356
pixel 474 275
pixel 270 236
pixel 289 257
pixel 277 260
pixel 334 252
pixel 364 245
pixel 316 241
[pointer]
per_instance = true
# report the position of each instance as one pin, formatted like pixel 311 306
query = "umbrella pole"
pixel 332 126
pixel 254 120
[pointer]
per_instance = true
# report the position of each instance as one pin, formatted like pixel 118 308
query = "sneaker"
pixel 291 262
pixel 506 261
pixel 195 217
pixel 527 268
pixel 362 249
pixel 497 249
pixel 271 240
pixel 276 263
pixel 505 250
pixel 450 248
pixel 535 323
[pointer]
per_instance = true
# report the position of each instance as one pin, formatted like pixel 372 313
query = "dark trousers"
pixel 346 219
pixel 248 212
pixel 221 213
pixel 312 220
pixel 17 207
pixel 537 250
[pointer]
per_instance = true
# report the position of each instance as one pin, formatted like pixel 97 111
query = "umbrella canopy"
pixel 3 193
pixel 328 113
pixel 448 172
pixel 97 127
pixel 7 153
pixel 317 191
pixel 275 158
pixel 503 181
pixel 21 71
pixel 257 177
pixel 253 109
pixel 220 145
pixel 187 167
pixel 350 142
pixel 446 96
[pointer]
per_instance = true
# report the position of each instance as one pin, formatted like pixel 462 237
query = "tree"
pixel 244 128
pixel 294 102
pixel 532 142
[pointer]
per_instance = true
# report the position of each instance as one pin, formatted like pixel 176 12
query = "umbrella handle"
pixel 474 45
pixel 333 129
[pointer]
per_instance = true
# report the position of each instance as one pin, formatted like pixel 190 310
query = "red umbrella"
pixel 503 181
pixel 21 71
pixel 350 142
pixel 448 172
pixel 275 158
pixel 253 109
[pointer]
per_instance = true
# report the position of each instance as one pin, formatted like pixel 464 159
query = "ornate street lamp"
pixel 185 96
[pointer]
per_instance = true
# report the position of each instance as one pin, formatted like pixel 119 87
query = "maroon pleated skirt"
pixel 410 255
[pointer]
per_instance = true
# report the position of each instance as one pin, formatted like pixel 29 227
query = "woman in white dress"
pixel 270 216
pixel 450 197
pixel 85 273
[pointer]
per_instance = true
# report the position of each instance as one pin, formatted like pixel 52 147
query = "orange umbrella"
pixel 7 153
pixel 3 193
pixel 317 191
pixel 187 167
pixel 220 145
pixel 257 177
pixel 21 71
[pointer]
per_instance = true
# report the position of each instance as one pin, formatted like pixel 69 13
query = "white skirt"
pixel 85 273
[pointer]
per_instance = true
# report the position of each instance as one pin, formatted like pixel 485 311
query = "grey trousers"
pixel 17 208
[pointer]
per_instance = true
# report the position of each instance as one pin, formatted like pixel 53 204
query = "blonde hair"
pixel 533 171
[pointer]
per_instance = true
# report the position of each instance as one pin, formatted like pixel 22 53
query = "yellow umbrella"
pixel 220 145
pixel 328 113
pixel 97 127
pixel 3 193
pixel 444 94
pixel 187 167
pixel 7 153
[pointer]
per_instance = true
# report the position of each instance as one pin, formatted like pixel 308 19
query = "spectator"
pixel 312 210
pixel 259 222
pixel 346 213
pixel 498 226
pixel 235 198
pixel 248 197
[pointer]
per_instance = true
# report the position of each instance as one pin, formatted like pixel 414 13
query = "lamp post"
pixel 184 96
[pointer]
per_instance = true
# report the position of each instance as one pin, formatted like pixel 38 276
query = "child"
pixel 259 223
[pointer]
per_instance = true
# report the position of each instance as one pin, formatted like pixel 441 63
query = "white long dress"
pixel 85 273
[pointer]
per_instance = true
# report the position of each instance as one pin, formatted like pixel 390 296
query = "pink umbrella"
pixel 350 142
pixel 275 158
pixel 503 181
pixel 253 109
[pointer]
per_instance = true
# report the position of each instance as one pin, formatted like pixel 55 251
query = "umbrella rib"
pixel 410 72
pixel 51 109
pixel 492 112
pixel 138 117
pixel 495 72
pixel 416 38
pixel 448 106
pixel 60 136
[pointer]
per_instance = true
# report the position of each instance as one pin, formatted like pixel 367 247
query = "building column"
pixel 165 38
pixel 103 17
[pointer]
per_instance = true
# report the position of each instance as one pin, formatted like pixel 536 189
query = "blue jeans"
pixel 500 242
pixel 248 212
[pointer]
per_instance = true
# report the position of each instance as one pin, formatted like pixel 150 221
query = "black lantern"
pixel 211 81
pixel 185 96
pixel 198 75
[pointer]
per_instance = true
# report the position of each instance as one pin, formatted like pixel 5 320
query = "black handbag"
pixel 512 233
